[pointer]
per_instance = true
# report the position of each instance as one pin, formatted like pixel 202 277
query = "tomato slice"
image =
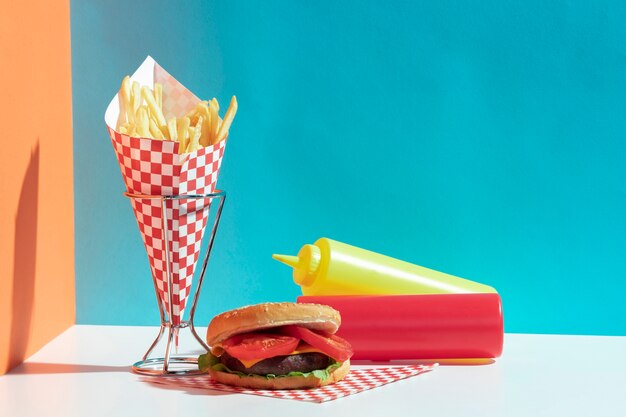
pixel 259 345
pixel 334 346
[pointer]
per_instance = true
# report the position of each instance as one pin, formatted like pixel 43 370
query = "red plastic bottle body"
pixel 430 326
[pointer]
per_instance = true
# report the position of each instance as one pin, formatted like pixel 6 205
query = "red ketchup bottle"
pixel 425 326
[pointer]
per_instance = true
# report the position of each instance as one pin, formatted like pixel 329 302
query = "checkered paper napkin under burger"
pixel 154 167
pixel 358 380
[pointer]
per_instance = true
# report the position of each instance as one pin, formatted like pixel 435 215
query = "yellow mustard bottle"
pixel 328 267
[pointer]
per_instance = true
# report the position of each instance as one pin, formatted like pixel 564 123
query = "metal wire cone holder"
pixel 174 363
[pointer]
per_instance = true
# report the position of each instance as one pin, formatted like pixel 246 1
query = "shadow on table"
pixel 158 383
pixel 64 368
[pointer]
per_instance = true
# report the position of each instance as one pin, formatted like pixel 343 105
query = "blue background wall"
pixel 485 140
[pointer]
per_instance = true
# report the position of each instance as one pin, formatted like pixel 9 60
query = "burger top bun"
pixel 268 315
pixel 286 382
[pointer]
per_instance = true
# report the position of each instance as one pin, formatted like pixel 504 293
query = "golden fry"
pixel 125 90
pixel 228 119
pixel 205 136
pixel 147 95
pixel 194 142
pixel 154 130
pixel 128 128
pixel 196 112
pixel 197 132
pixel 143 122
pixel 183 134
pixel 163 129
pixel 124 100
pixel 215 120
pixel 171 128
pixel 190 146
pixel 135 98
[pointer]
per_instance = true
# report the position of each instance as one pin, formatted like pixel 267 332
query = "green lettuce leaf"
pixel 208 361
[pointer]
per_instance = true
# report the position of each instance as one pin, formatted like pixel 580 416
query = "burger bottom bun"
pixel 282 382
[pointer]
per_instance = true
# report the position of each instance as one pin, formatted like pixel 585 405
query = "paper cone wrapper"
pixel 154 167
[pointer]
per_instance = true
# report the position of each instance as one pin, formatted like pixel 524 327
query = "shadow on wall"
pixel 24 261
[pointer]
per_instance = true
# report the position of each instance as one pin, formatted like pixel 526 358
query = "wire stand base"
pixel 172 362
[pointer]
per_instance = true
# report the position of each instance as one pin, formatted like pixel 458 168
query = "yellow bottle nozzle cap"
pixel 292 261
pixel 304 265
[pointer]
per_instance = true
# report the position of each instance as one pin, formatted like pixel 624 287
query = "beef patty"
pixel 280 365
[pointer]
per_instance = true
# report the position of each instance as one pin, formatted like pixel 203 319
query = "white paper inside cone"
pixel 144 75
pixel 177 99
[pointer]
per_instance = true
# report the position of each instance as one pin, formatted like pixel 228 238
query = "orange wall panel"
pixel 36 185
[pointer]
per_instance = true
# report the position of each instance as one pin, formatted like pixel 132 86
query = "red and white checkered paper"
pixel 154 167
pixel 359 379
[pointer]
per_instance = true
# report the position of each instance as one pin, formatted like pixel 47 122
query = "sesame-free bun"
pixel 268 315
pixel 281 382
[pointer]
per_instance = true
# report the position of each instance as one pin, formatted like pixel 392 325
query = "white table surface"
pixel 85 372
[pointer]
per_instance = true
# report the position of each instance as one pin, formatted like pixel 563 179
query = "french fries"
pixel 141 114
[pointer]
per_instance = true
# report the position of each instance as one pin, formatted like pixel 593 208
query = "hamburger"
pixel 277 346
